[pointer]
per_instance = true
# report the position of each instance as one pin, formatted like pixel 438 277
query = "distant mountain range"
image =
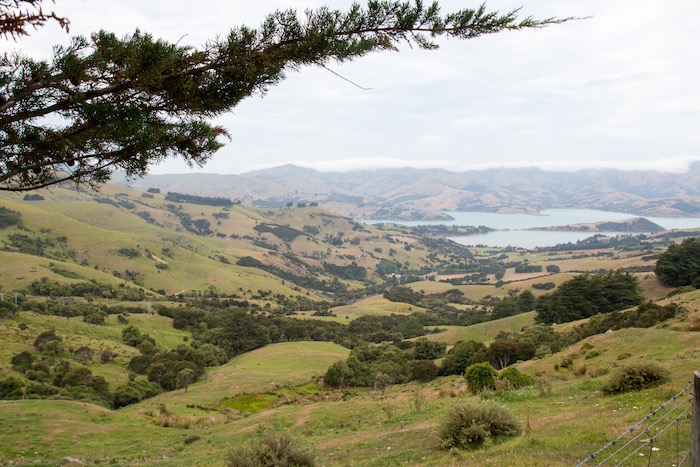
pixel 423 194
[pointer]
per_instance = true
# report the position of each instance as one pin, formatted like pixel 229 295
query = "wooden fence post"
pixel 695 429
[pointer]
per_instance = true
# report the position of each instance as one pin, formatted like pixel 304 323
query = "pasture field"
pixel 483 332
pixel 564 417
pixel 184 254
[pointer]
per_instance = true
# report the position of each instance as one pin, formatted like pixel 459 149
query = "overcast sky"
pixel 620 89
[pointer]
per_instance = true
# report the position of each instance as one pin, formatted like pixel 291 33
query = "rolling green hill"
pixel 162 331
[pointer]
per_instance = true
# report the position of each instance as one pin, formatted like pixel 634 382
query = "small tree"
pixel 147 348
pixel 480 376
pixel 132 336
pixel 185 377
pixel 381 381
pixel 337 375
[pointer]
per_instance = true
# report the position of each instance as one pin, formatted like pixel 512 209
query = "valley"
pixel 141 327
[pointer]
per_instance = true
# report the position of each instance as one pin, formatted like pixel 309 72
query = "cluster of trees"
pixel 352 271
pixel 283 232
pixel 86 289
pixel 30 244
pixel 524 268
pixel 646 315
pixel 587 295
pixel 196 226
pixel 377 328
pixel 309 281
pixel 9 217
pixel 194 199
pixel 505 349
pixel 408 295
pixel 440 312
pixel 171 369
pixel 510 306
pixel 50 374
pixel 679 265
pixel 386 364
pixel 238 330
pixel 403 361
pixel 602 241
pixel 449 230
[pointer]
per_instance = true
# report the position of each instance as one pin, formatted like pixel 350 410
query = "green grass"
pixel 483 332
pixel 263 370
pixel 374 305
pixel 248 402
pixel 158 327
pixel 277 386
pixel 566 425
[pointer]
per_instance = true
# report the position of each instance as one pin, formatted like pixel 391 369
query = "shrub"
pixel 480 376
pixel 9 217
pixel 44 338
pixel 22 361
pixel 470 426
pixel 517 379
pixel 423 370
pixel 133 392
pixel 10 388
pixel 97 318
pixel 189 439
pixel 636 376
pixel 271 450
pixel 543 351
pixel 40 391
pixel 108 355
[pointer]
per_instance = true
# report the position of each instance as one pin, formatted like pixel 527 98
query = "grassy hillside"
pixel 153 285
pixel 565 417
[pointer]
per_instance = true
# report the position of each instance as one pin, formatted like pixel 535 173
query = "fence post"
pixel 695 429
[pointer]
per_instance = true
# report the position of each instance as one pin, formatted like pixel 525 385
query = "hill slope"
pixel 413 194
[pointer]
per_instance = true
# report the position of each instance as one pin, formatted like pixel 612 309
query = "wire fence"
pixel 662 437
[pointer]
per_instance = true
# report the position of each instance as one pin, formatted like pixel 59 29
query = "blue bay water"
pixel 510 226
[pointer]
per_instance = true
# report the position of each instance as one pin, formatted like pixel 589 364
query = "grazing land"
pixel 152 330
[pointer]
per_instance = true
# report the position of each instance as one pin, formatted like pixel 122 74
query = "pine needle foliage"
pixel 104 102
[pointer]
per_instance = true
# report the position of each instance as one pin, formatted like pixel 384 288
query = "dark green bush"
pixel 517 379
pixel 40 391
pixel 678 265
pixel 189 439
pixel 480 376
pixel 10 388
pixel 470 426
pixel 9 217
pixel 636 376
pixel 271 450
pixel 133 392
pixel 423 370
